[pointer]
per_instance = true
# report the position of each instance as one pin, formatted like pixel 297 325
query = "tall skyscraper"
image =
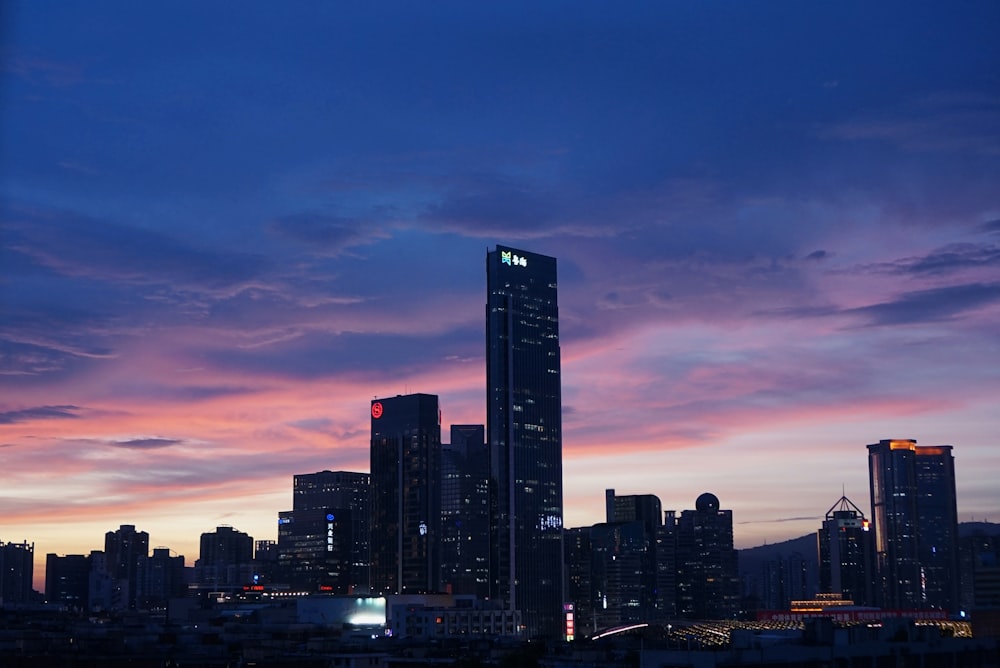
pixel 405 494
pixel 524 432
pixel 937 516
pixel 707 575
pixel 465 512
pixel 846 554
pixel 916 524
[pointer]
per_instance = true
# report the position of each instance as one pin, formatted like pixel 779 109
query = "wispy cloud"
pixel 945 260
pixel 147 443
pixel 327 234
pixel 931 305
pixel 40 413
pixel 82 246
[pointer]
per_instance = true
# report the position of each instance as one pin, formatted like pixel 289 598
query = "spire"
pixel 844 504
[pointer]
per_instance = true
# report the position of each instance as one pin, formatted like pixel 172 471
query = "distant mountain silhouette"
pixel 752 559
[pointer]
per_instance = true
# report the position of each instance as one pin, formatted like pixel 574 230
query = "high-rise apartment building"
pixel 16 571
pixel 465 512
pixel 67 580
pixel 707 575
pixel 846 554
pixel 159 578
pixel 122 549
pixel 915 519
pixel 225 558
pixel 405 494
pixel 524 433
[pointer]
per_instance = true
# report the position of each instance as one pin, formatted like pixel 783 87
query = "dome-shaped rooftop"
pixel 707 503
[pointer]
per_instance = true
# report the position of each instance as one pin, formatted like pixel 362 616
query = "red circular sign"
pixel 377 410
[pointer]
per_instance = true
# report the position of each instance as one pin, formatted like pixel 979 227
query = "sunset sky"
pixel 226 226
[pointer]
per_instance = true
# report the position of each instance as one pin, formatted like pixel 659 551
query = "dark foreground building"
pixel 16 571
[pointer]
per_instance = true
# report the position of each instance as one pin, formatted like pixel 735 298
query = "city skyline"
pixel 221 235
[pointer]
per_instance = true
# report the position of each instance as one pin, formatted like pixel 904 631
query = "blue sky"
pixel 225 227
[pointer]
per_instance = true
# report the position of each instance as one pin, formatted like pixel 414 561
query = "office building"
pixel 465 512
pixel 122 550
pixel 784 579
pixel 405 494
pixel 323 541
pixel 619 575
pixel 17 567
pixel 915 520
pixel 979 566
pixel 846 551
pixel 579 585
pixel 647 510
pixel 707 576
pixel 346 494
pixel 314 550
pixel 937 517
pixel 666 566
pixel 524 434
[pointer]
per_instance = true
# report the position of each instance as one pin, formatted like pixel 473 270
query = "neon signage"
pixel 377 410
pixel 509 258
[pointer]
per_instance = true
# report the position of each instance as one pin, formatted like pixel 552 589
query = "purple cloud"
pixel 40 413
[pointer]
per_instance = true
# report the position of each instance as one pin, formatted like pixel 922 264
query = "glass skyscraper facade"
pixel 405 494
pixel 524 434
pixel 916 524
pixel 323 540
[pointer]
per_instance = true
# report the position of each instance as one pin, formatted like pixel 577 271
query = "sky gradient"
pixel 224 228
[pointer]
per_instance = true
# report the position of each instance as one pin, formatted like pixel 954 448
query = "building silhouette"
pixel 225 558
pixel 784 579
pixel 17 567
pixel 707 576
pixel 524 433
pixel 323 541
pixel 159 578
pixel 67 580
pixel 122 550
pixel 916 524
pixel 405 494
pixel 979 565
pixel 652 602
pixel 579 585
pixel 846 551
pixel 465 512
